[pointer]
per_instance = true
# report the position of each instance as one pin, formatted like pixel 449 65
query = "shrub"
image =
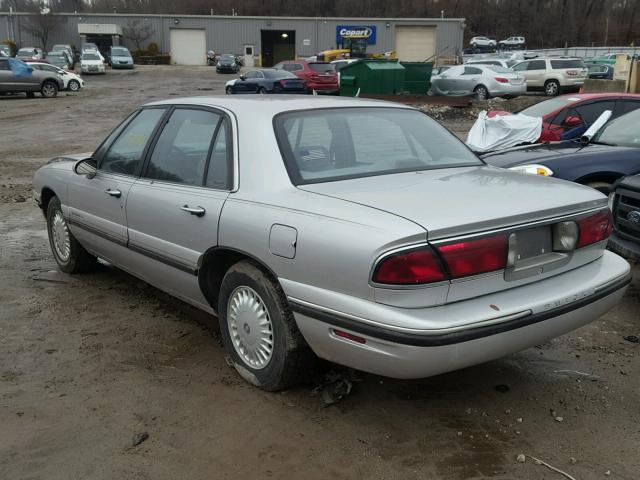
pixel 153 49
pixel 12 45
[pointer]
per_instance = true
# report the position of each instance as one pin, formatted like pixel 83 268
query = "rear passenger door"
pixel 535 73
pixel 174 208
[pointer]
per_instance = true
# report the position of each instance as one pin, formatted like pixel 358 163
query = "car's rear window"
pixel 567 64
pixel 500 69
pixel 278 74
pixel 321 67
pixel 341 143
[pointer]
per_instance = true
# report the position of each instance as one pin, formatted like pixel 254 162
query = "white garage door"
pixel 415 44
pixel 188 47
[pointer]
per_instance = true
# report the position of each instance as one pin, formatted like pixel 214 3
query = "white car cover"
pixel 503 131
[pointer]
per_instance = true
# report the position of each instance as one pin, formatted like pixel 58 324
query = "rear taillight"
pixel 501 80
pixel 572 72
pixel 412 267
pixel 283 83
pixel 472 257
pixel 595 228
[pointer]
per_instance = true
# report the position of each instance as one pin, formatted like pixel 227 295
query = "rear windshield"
pixel 341 143
pixel 278 74
pixel 499 69
pixel 567 64
pixel 547 106
pixel 321 67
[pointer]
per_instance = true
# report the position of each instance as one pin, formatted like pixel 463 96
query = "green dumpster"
pixel 372 76
pixel 417 77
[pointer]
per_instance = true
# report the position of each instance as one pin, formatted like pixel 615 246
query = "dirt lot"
pixel 89 362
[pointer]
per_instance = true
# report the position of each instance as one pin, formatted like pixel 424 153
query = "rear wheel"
pixel 261 91
pixel 70 256
pixel 259 331
pixel 49 90
pixel 551 88
pixel 73 85
pixel 481 92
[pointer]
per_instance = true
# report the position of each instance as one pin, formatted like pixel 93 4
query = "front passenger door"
pixel 174 209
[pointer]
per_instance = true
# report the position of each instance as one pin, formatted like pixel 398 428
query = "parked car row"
pixel 486 43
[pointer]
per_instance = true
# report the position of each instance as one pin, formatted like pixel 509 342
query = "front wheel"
pixel 73 85
pixel 70 256
pixel 602 187
pixel 259 331
pixel 261 91
pixel 49 90
pixel 228 90
pixel 552 88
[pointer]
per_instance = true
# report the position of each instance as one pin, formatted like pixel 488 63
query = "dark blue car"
pixel 611 154
pixel 600 72
pixel 267 80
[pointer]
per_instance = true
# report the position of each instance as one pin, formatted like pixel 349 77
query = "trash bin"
pixel 372 76
pixel 417 77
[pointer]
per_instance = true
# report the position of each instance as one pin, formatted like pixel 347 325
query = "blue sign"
pixel 368 31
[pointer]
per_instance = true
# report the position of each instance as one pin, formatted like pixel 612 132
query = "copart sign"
pixel 368 31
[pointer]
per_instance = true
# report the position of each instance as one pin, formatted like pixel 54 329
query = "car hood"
pixel 630 181
pixel 457 201
pixel 552 151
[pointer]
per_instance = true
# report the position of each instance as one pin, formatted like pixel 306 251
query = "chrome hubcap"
pixel 60 236
pixel 552 89
pixel 250 327
pixel 74 86
pixel 48 90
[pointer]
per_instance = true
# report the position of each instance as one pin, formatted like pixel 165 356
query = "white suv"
pixel 553 75
pixel 513 42
pixel 482 42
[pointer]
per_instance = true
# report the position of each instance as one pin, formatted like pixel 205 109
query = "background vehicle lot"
pixel 88 361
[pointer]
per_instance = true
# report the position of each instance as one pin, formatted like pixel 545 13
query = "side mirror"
pixel 572 121
pixel 242 77
pixel 86 167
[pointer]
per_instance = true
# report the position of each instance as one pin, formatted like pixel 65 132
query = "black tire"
pixel 262 91
pixel 73 86
pixel 79 260
pixel 228 91
pixel 551 88
pixel 481 92
pixel 602 187
pixel 291 358
pixel 31 95
pixel 49 89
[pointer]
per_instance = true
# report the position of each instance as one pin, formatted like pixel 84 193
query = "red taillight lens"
pixel 283 83
pixel 501 80
pixel 595 228
pixel 410 268
pixel 475 256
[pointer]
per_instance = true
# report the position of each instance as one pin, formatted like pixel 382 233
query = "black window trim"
pixel 230 157
pixel 294 175
pixel 123 126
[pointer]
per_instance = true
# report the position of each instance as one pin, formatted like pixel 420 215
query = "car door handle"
pixel 113 193
pixel 197 211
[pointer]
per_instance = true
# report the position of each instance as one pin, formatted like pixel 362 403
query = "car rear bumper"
pixel 505 90
pixel 526 316
pixel 323 87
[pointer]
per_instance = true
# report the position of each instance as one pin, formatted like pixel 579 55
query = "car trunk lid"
pixel 461 201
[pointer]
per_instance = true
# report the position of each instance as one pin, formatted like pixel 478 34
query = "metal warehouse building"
pixel 266 40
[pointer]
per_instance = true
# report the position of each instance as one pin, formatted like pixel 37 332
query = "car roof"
pixel 271 105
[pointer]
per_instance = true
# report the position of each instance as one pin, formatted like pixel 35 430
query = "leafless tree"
pixel 41 23
pixel 137 33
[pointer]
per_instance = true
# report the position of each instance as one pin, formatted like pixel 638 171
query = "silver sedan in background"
pixel 482 81
pixel 357 231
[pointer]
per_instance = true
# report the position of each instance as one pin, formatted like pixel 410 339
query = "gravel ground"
pixel 103 377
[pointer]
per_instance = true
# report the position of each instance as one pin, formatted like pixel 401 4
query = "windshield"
pixel 119 52
pixel 546 107
pixel 624 131
pixel 342 143
pixel 90 56
pixel 321 67
pixel 25 51
pixel 228 58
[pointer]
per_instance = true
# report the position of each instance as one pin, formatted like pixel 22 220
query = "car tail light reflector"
pixel 501 80
pixel 595 228
pixel 349 336
pixel 572 72
pixel 472 257
pixel 283 83
pixel 411 267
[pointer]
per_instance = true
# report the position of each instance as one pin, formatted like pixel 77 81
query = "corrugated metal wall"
pixel 229 34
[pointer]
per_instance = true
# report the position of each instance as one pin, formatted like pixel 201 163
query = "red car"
pixel 319 76
pixel 569 116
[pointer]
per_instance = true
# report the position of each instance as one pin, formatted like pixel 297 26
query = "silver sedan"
pixel 482 81
pixel 357 231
